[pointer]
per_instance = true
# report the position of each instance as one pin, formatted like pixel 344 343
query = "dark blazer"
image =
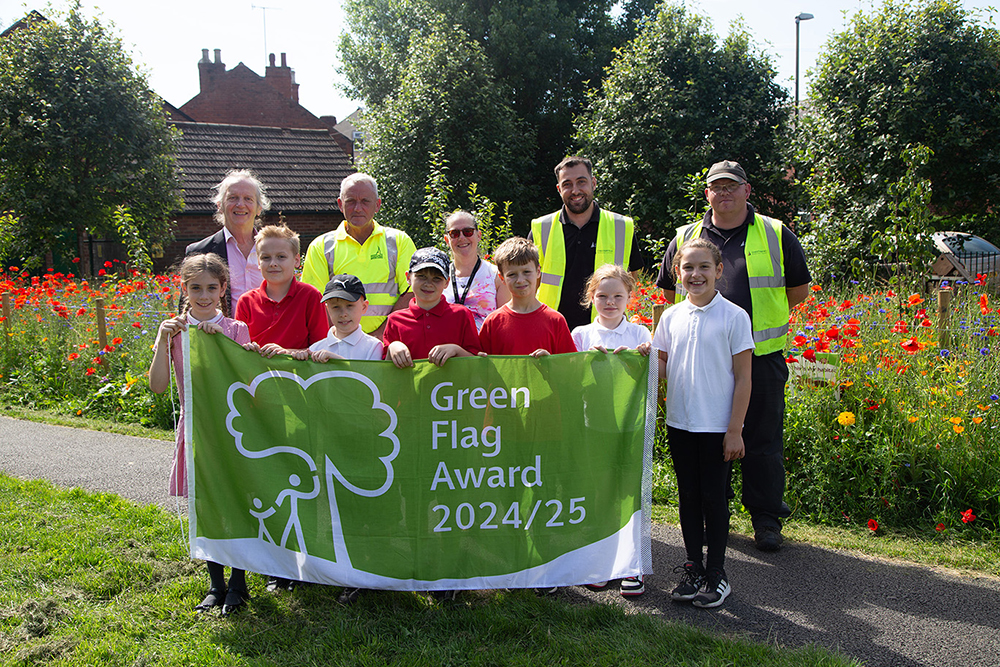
pixel 215 244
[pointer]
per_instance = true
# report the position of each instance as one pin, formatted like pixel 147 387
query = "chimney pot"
pixel 204 56
pixel 271 59
pixel 284 63
pixel 218 55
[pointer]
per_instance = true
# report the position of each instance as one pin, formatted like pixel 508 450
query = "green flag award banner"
pixel 488 472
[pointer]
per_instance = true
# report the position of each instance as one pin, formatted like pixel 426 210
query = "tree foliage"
pixel 544 54
pixel 907 75
pixel 676 100
pixel 448 106
pixel 81 134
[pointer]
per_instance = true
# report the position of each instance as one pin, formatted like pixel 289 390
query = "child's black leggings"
pixel 702 481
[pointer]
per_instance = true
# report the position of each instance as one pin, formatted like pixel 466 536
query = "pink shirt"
pixel 244 272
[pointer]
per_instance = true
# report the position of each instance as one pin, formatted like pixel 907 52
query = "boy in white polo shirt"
pixel 345 301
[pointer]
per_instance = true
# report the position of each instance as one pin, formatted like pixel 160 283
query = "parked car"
pixel 964 257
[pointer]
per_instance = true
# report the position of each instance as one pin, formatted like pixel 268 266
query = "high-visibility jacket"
pixel 766 271
pixel 380 263
pixel 614 246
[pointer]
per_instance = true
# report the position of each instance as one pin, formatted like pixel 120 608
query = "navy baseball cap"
pixel 344 286
pixel 430 258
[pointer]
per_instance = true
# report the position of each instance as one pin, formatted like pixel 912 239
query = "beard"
pixel 581 206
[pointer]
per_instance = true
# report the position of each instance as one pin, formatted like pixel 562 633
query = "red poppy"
pixel 833 333
pixel 101 272
pixel 980 279
pixel 968 516
pixel 816 288
pixel 73 356
pixel 116 341
pixel 939 527
pixel 800 341
pixel 791 360
pixel 900 327
pixel 91 371
pixel 984 304
pixel 137 325
pixel 872 525
pixel 914 299
pixel 991 332
pixel 912 346
pixel 107 265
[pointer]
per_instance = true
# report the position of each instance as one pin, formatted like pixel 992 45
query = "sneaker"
pixel 349 596
pixel 632 586
pixel 714 592
pixel 596 586
pixel 694 579
pixel 541 592
pixel 768 538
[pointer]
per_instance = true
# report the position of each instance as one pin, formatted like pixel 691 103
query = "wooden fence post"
pixel 944 318
pixel 102 323
pixel 6 317
pixel 657 313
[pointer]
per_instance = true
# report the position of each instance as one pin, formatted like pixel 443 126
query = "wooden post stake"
pixel 657 313
pixel 102 324
pixel 6 317
pixel 944 318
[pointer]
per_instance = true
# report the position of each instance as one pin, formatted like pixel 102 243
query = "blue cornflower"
pixel 994 397
pixel 945 353
pixel 984 351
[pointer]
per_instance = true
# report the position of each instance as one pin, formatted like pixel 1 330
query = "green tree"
pixel 908 74
pixel 81 134
pixel 447 108
pixel 545 53
pixel 676 100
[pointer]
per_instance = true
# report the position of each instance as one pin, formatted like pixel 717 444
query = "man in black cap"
pixel 765 273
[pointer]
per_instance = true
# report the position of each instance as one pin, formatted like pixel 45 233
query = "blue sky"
pixel 168 42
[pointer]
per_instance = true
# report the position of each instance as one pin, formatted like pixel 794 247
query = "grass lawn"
pixel 92 579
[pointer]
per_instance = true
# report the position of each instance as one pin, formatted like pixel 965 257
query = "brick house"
pixel 240 119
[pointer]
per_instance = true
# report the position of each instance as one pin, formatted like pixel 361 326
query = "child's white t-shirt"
pixel 629 334
pixel 358 345
pixel 700 343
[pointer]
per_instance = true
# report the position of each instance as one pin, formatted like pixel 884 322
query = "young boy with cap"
pixel 345 301
pixel 430 327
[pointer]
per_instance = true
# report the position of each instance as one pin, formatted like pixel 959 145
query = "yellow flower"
pixel 958 429
pixel 846 419
pixel 912 418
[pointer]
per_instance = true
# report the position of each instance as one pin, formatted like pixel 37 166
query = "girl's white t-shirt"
pixel 700 343
pixel 629 334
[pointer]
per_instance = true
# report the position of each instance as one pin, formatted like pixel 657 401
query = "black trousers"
pixel 702 483
pixel 763 467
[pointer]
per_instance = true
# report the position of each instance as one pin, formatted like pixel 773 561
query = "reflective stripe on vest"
pixel 614 246
pixel 766 273
pixel 371 288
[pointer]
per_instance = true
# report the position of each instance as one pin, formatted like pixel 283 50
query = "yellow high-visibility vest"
pixel 766 270
pixel 614 246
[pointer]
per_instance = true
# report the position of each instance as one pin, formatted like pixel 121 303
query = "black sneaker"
pixel 768 538
pixel 693 579
pixel 714 592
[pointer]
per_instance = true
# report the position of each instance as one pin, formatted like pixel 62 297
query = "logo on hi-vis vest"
pixel 377 254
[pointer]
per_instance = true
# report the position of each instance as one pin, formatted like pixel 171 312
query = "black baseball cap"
pixel 344 286
pixel 430 258
pixel 727 169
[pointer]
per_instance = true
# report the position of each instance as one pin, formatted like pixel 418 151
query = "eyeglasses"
pixel 467 232
pixel 727 189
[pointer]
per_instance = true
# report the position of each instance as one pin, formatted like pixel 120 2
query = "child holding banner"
pixel 203 284
pixel 705 346
pixel 609 290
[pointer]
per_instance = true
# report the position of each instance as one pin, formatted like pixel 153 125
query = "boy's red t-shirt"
pixel 507 332
pixel 294 323
pixel 421 330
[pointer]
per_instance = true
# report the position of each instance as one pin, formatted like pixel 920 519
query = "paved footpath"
pixel 885 613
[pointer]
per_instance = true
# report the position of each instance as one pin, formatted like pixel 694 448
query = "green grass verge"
pixel 61 419
pixel 92 579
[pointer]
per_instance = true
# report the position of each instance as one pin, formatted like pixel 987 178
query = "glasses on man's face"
pixel 467 232
pixel 725 189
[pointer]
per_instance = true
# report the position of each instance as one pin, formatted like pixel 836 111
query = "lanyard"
pixel 454 282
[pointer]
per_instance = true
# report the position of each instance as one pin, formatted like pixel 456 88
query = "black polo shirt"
pixel 581 251
pixel 735 283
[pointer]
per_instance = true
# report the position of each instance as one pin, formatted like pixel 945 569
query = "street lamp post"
pixel 801 17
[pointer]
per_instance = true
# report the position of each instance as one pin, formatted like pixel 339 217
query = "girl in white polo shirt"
pixel 609 290
pixel 705 345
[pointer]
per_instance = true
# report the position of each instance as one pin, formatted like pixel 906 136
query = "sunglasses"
pixel 467 232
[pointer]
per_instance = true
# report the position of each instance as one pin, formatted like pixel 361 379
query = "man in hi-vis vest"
pixel 378 256
pixel 578 239
pixel 765 273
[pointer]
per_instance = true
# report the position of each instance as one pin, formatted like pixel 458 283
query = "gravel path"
pixel 885 613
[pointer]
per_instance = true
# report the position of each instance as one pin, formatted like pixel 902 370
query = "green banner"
pixel 489 472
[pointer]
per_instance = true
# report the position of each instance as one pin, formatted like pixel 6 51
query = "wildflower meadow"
pixel 891 419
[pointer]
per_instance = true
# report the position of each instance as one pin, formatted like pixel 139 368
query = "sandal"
pixel 236 599
pixel 214 599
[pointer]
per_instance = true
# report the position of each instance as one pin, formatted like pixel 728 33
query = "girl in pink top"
pixel 203 283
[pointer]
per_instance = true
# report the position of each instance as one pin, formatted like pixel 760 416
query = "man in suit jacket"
pixel 240 202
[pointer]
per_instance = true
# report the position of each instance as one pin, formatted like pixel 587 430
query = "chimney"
pixel 282 78
pixel 208 71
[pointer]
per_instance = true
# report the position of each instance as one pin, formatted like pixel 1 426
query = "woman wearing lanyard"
pixel 475 283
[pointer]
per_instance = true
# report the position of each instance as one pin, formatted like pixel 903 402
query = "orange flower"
pixel 73 356
pixel 914 299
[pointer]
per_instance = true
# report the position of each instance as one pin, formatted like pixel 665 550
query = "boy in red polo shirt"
pixel 285 316
pixel 523 325
pixel 430 327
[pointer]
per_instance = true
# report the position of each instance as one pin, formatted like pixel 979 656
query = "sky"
pixel 166 39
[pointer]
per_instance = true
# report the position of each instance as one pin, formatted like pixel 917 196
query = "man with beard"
pixel 578 239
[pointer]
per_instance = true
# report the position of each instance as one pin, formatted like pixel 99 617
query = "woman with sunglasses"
pixel 475 283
